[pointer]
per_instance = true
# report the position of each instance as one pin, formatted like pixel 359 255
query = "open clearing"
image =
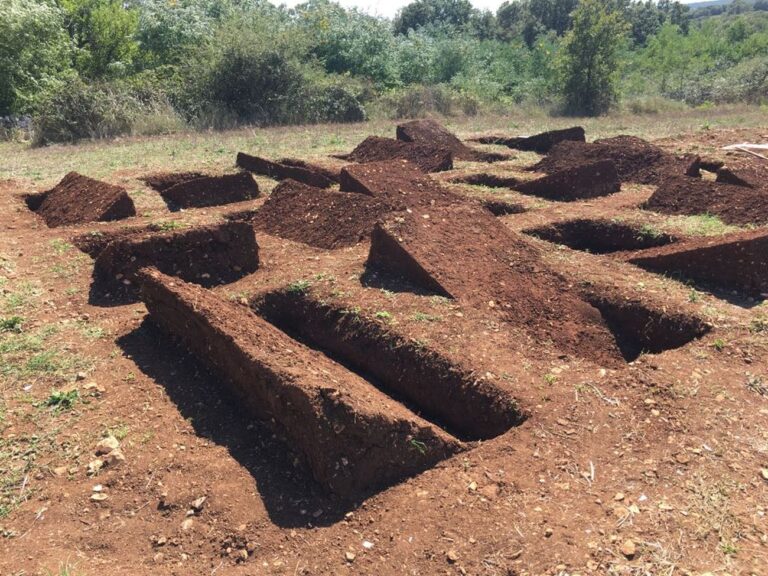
pixel 389 373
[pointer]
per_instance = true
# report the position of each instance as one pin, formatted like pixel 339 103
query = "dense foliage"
pixel 91 68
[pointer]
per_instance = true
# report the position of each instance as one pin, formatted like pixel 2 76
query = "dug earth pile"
pixel 376 149
pixel 733 204
pixel 309 398
pixel 78 199
pixel 636 160
pixel 211 191
pixel 434 134
pixel 300 172
pixel 541 143
pixel 317 217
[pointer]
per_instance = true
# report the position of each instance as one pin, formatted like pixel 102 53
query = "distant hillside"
pixel 708 3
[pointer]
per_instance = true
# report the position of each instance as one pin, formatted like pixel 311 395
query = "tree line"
pixel 91 68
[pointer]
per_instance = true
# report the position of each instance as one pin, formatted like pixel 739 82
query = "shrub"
pixel 421 101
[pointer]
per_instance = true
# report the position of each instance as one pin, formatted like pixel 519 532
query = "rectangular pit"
pixel 354 438
pixel 460 400
pixel 600 236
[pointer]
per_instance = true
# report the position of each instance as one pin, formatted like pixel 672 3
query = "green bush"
pixel 421 101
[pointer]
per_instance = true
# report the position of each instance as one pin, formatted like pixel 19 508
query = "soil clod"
pixel 434 134
pixel 541 143
pixel 426 158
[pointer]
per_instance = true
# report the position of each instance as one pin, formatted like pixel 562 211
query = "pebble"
pixel 452 556
pixel 187 524
pixel 94 466
pixel 349 556
pixel 106 445
pixel 629 549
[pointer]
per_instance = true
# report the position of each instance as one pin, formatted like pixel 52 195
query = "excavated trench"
pixel 601 236
pixel 452 397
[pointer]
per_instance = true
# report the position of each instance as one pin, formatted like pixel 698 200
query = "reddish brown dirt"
pixel 589 180
pixel 636 160
pixel 541 143
pixel 332 175
pixel 163 180
pixel 443 391
pixel 434 134
pixel 211 191
pixel 309 398
pixel 377 149
pixel 665 451
pixel 735 262
pixel 318 217
pixel 600 236
pixel 398 182
pixel 94 242
pixel 279 171
pixel 78 199
pixel 754 176
pixel 207 255
pixel 465 253
pixel 732 204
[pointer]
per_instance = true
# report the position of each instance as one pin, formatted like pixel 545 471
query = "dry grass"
pixel 215 151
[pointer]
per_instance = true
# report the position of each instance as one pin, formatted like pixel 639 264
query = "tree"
pixel 34 52
pixel 589 58
pixel 433 12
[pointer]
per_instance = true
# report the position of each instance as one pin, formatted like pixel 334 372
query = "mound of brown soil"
pixel 541 143
pixel 211 191
pixel 463 252
pixel 376 149
pixel 94 242
pixel 281 171
pixel 353 438
pixel 78 199
pixel 327 172
pixel 589 180
pixel 755 176
pixel 318 217
pixel 164 180
pixel 397 182
pixel 434 134
pixel 636 160
pixel 207 255
pixel 733 204
pixel 733 262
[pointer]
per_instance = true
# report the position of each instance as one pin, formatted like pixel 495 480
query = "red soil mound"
pixel 332 175
pixel 397 182
pixel 585 181
pixel 211 191
pixel 164 180
pixel 636 160
pixel 318 217
pixel 541 143
pixel 751 176
pixel 733 262
pixel 78 199
pixel 433 134
pixel 738 205
pixel 376 149
pixel 306 396
pixel 463 252
pixel 283 171
pixel 207 255
pixel 485 179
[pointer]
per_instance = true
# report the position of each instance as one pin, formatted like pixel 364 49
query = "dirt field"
pixel 408 386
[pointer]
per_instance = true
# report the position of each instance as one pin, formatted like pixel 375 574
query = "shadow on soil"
pixel 284 484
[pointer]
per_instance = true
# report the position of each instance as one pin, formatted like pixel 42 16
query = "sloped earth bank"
pixel 433 134
pixel 78 199
pixel 541 143
pixel 636 160
pixel 377 149
pixel 734 263
pixel 310 398
pixel 207 255
pixel 318 217
pixel 161 181
pixel 649 463
pixel 211 191
pixel 588 180
pixel 302 172
pixel 690 196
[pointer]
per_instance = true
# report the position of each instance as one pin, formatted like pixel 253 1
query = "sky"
pixel 388 8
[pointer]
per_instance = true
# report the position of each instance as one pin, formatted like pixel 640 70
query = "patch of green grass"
pixel 702 225
pixel 22 297
pixel 11 324
pixel 383 315
pixel 719 344
pixel 60 246
pixel 418 445
pixel 299 287
pixel 649 231
pixel 550 379
pixel 62 400
pixel 424 317
pixel 170 225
